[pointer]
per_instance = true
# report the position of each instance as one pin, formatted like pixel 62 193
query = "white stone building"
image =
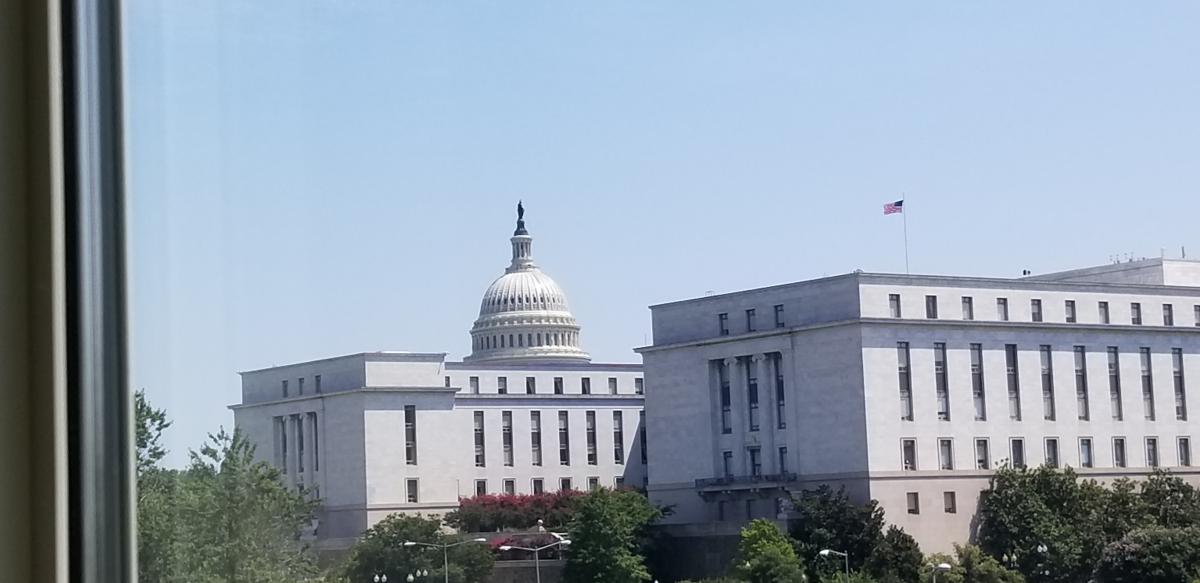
pixel 384 432
pixel 912 389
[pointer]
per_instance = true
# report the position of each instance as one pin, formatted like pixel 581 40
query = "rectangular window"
pixel 977 390
pixel 1151 452
pixel 1180 390
pixel 1047 383
pixel 474 384
pixel 317 384
pixel 481 487
pixel 941 381
pixel 639 386
pixel 983 456
pixel 779 315
pixel 1052 452
pixel 281 453
pixel 1017 453
pixel 535 436
pixel 906 404
pixel 530 385
pixel 618 438
pixel 446 383
pixel 411 487
pixel 1070 311
pixel 1168 315
pixel 752 394
pixel 480 452
pixel 299 443
pixel 316 451
pixel 1085 452
pixel 780 398
pixel 506 435
pixel 593 457
pixel 1114 384
pixel 642 436
pixel 502 385
pixel 894 305
pixel 1014 382
pixel 1135 313
pixel 1035 310
pixel 914 502
pixel 510 486
pixel 1196 314
pixel 1104 317
pixel 612 385
pixel 968 308
pixel 593 483
pixel 558 385
pixel 1081 385
pixel 564 439
pixel 585 385
pixel 727 464
pixel 1119 452
pixel 783 465
pixel 564 484
pixel 1185 451
pixel 750 320
pixel 618 482
pixel 723 323
pixel 931 307
pixel 285 389
pixel 1002 309
pixel 410 435
pixel 946 454
pixel 950 502
pixel 1147 383
pixel 726 398
pixel 908 450
pixel 300 386
pixel 755 461
pixel 539 486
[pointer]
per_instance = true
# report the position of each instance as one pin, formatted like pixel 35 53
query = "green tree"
pixel 1171 502
pixel 237 521
pixel 1153 555
pixel 969 564
pixel 155 494
pixel 897 559
pixel 605 535
pixel 382 551
pixel 765 555
pixel 826 519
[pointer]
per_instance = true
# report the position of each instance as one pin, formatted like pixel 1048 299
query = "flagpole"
pixel 904 214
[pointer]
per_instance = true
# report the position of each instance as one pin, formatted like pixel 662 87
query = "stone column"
pixel 293 452
pixel 310 453
pixel 738 415
pixel 766 412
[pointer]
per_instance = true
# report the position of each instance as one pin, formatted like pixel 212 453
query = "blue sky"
pixel 312 178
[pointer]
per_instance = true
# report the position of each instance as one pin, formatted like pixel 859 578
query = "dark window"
pixel 618 438
pixel 946 454
pixel 535 436
pixel 1085 452
pixel 564 484
pixel 590 427
pixel 502 385
pixel 639 386
pixel 411 487
pixel 750 324
pixel 539 486
pixel 908 452
pixel 480 453
pixel 1185 451
pixel 446 384
pixel 977 389
pixel 779 315
pixel 558 385
pixel 285 389
pixel 510 486
pixel 894 305
pixel 752 394
pixel 1180 390
pixel 300 385
pixel 1135 313
pixel 905 376
pixel 723 323
pixel 1048 412
pixel 755 461
pixel 941 381
pixel 642 437
pixel 950 502
pixel 317 383
pixel 506 435
pixel 780 398
pixel 1052 452
pixel 585 385
pixel 480 487
pixel 914 502
pixel 1018 453
pixel 1070 309
pixel 474 384
pixel 1002 309
pixel 1035 310
pixel 1081 384
pixel 316 451
pixel 1151 452
pixel 1168 315
pixel 1104 317
pixel 1014 382
pixel 983 458
pixel 726 398
pixel 931 307
pixel 968 308
pixel 1114 384
pixel 1147 383
pixel 783 464
pixel 593 483
pixel 530 385
pixel 727 463
pixel 612 385
pixel 410 435
pixel 1119 460
pixel 1196 314
pixel 564 439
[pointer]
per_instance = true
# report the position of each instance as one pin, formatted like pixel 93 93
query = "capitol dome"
pixel 524 314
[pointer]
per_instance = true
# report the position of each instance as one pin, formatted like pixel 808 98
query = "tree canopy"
pixel 605 533
pixel 382 550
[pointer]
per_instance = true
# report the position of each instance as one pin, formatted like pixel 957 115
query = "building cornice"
pixel 358 391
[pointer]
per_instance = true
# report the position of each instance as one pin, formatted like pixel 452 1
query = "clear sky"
pixel 319 177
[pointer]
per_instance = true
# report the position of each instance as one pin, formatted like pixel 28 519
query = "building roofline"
pixel 377 356
pixel 564 366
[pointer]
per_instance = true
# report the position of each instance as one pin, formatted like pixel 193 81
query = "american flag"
pixel 892 208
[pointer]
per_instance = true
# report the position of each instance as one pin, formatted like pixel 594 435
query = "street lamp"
pixel 845 557
pixel 940 568
pixel 537 566
pixel 380 578
pixel 445 553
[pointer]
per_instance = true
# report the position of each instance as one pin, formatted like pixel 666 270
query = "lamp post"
pixel 845 557
pixel 380 578
pixel 445 553
pixel 537 565
pixel 940 568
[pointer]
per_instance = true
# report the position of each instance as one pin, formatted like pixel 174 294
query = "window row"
pixel 529 339
pixel 286 386
pixel 585 385
pixel 1013 387
pixel 748 370
pixel 1052 457
pixel 564 438
pixel 295 440
pixel 949 502
pixel 1103 315
pixel 538 485
pixel 754 463
pixel 751 320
